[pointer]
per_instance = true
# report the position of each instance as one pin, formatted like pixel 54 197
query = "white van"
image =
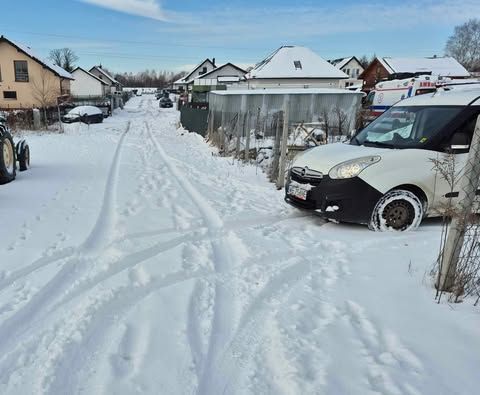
pixel 385 176
pixel 387 93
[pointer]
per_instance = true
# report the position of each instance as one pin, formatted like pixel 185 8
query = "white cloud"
pixel 146 8
pixel 290 24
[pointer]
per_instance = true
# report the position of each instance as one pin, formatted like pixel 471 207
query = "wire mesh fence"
pixel 253 127
pixel 458 263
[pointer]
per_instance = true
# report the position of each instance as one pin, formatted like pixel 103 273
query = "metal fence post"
pixel 221 134
pixel 469 184
pixel 246 157
pixel 238 128
pixel 276 146
pixel 283 151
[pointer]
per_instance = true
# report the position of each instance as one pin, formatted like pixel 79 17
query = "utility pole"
pixel 468 185
pixel 283 149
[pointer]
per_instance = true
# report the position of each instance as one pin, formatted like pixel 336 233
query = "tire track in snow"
pixel 230 364
pixel 17 324
pixel 383 350
pixel 103 315
pixel 225 309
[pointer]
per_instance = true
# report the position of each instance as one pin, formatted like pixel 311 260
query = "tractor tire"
pixel 8 163
pixel 23 155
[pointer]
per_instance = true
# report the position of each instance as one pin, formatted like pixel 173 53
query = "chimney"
pixel 213 61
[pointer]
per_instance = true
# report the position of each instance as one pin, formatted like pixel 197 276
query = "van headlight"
pixel 352 168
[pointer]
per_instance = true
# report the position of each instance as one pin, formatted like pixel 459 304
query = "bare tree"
pixel 64 57
pixel 464 44
pixel 364 61
pixel 45 91
pixel 326 123
pixel 341 120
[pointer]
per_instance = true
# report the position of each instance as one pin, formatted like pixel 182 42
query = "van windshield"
pixel 406 127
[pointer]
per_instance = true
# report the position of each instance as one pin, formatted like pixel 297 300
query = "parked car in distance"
pixel 166 102
pixel 85 114
pixel 385 176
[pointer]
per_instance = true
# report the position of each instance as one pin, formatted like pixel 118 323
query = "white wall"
pixel 293 83
pixel 199 72
pixel 227 71
pixel 85 85
pixel 353 69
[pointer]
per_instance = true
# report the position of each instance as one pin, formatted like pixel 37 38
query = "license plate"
pixel 298 192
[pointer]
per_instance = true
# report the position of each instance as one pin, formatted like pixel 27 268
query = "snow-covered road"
pixel 134 260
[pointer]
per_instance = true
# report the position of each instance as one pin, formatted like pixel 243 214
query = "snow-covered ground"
pixel 134 260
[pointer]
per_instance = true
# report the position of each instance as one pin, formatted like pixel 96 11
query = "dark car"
pixel 85 114
pixel 166 102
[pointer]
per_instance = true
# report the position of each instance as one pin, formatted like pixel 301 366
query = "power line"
pixel 128 41
pixel 199 46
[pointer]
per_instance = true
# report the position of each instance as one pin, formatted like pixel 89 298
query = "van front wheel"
pixel 397 210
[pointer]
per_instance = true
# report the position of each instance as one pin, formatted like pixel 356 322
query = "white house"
pixel 294 67
pixel 204 67
pixel 105 76
pixel 226 74
pixel 87 84
pixel 352 67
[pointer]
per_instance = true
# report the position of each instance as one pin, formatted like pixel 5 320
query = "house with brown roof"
pixel 387 68
pixel 27 80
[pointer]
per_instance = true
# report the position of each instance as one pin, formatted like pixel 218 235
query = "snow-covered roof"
pixel 180 81
pixel 444 66
pixel 221 67
pixel 295 62
pixel 187 78
pixel 47 63
pixel 90 74
pixel 342 62
pixel 445 98
pixel 105 73
pixel 286 91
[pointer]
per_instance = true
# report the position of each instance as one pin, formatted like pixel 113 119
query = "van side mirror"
pixel 460 141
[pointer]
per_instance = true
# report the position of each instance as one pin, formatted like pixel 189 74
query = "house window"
pixel 204 70
pixel 21 70
pixel 297 64
pixel 347 71
pixel 12 95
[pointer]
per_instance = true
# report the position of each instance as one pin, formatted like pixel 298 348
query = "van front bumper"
pixel 348 200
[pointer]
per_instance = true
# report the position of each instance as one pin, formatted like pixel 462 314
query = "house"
pixel 87 84
pixel 387 68
pixel 112 84
pixel 294 67
pixel 216 79
pixel 352 67
pixel 27 80
pixel 204 67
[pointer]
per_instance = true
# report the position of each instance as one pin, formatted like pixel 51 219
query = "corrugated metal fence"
pixel 250 123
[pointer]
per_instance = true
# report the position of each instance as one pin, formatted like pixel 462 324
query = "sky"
pixel 175 35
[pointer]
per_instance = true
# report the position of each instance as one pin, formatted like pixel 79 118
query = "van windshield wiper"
pixel 378 144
